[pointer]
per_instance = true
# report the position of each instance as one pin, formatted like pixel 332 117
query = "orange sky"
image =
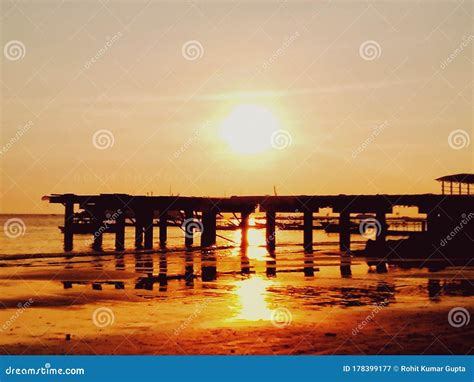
pixel 371 97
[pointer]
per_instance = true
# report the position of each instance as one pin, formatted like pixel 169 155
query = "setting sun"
pixel 248 128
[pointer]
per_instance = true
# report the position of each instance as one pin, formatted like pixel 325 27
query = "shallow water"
pixel 178 291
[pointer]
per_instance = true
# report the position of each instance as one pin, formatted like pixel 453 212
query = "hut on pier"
pixel 456 184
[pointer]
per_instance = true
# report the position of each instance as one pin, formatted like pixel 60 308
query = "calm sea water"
pixel 68 288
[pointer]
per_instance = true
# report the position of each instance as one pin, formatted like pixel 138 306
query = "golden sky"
pixel 233 97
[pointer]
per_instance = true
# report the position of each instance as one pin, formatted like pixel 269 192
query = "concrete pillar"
pixel 270 230
pixel 244 227
pixel 99 226
pixel 188 234
pixel 163 228
pixel 120 231
pixel 308 232
pixel 148 228
pixel 139 225
pixel 208 235
pixel 68 226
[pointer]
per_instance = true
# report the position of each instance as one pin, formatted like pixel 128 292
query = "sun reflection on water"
pixel 252 294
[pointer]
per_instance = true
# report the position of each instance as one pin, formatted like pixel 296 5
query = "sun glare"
pixel 248 129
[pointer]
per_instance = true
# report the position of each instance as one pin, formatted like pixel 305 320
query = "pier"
pixel 201 213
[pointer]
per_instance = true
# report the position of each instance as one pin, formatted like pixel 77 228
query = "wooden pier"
pixel 200 213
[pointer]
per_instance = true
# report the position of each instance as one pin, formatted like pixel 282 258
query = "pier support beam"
pixel 98 216
pixel 148 228
pixel 139 224
pixel 68 226
pixel 244 227
pixel 163 228
pixel 208 235
pixel 270 230
pixel 120 231
pixel 188 231
pixel 345 232
pixel 308 232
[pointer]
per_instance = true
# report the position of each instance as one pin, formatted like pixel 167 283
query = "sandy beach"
pixel 139 304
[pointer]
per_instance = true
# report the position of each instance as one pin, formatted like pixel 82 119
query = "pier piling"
pixel 270 230
pixel 68 225
pixel 345 233
pixel 163 222
pixel 120 231
pixel 308 232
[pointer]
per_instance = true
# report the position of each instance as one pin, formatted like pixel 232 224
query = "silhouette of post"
pixel 208 235
pixel 148 223
pixel 139 224
pixel 188 232
pixel 98 216
pixel 308 232
pixel 244 226
pixel 120 231
pixel 270 230
pixel 68 225
pixel 345 232
pixel 381 218
pixel 163 228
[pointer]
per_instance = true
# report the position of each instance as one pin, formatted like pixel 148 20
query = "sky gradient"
pixel 375 97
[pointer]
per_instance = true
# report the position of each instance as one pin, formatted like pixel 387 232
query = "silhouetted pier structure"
pixel 458 184
pixel 443 212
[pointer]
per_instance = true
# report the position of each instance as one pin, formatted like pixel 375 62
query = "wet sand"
pixel 137 304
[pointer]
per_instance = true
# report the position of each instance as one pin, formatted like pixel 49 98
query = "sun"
pixel 248 128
